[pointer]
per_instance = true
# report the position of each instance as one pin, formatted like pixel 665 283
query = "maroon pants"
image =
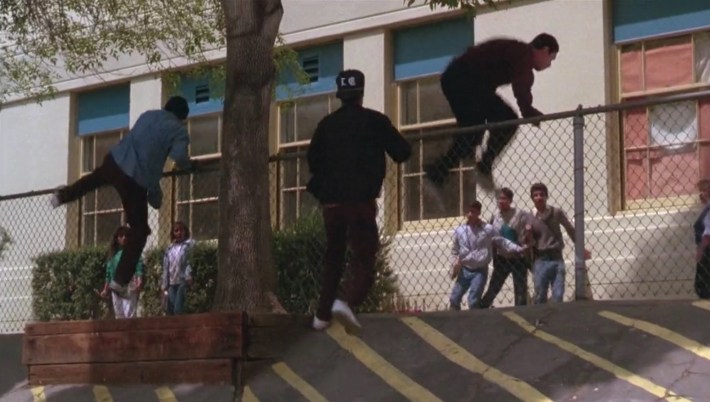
pixel 350 224
pixel 135 204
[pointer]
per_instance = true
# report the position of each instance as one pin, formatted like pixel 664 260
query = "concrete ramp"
pixel 596 351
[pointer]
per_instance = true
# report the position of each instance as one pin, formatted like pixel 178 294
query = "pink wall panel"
pixel 636 183
pixel 635 128
pixel 631 76
pixel 673 174
pixel 669 66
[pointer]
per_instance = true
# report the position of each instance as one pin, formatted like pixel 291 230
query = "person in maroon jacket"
pixel 469 84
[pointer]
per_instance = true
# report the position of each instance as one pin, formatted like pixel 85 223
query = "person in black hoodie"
pixel 347 162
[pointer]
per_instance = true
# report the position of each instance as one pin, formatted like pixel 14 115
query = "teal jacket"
pixel 112 264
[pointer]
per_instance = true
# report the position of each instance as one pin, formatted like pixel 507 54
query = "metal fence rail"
pixel 626 174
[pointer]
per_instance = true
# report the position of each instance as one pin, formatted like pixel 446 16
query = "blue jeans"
pixel 176 299
pixel 474 282
pixel 548 273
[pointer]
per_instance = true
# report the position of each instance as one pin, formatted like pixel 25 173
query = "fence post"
pixel 581 289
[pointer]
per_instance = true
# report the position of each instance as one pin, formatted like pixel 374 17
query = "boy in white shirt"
pixel 472 251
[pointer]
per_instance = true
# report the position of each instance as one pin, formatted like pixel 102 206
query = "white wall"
pixel 306 14
pixel 578 76
pixel 33 145
pixel 33 156
pixel 147 94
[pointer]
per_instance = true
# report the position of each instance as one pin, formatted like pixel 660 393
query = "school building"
pixel 641 164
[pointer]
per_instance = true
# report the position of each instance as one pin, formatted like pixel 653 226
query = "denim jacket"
pixel 156 135
pixel 184 273
pixel 473 245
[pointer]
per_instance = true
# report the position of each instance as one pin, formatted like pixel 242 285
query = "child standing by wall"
pixel 124 306
pixel 177 273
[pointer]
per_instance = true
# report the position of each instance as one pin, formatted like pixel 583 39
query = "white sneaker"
pixel 320 325
pixel 345 315
pixel 55 201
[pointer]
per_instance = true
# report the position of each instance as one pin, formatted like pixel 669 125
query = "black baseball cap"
pixel 350 83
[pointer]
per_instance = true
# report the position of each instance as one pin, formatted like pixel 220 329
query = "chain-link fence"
pixel 625 174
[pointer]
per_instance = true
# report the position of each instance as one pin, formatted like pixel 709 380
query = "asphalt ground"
pixel 594 351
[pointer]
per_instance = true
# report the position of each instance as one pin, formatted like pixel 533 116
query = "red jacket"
pixel 500 62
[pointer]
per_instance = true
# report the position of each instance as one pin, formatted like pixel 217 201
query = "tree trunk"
pixel 246 279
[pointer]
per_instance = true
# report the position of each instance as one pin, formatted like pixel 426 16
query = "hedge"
pixel 65 283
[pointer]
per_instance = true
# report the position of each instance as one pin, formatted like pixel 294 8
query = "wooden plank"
pixel 212 371
pixel 133 324
pixel 279 320
pixel 140 345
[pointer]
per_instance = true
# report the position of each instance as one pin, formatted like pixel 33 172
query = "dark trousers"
pixel 502 267
pixel 135 204
pixel 702 276
pixel 350 224
pixel 473 104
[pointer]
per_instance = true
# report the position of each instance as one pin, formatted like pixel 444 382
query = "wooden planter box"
pixel 199 348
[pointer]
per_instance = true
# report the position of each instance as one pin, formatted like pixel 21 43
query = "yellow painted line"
pixel 165 394
pixel 38 394
pixel 378 365
pixel 298 383
pixel 661 332
pixel 600 362
pixel 452 351
pixel 248 395
pixel 101 394
pixel 703 304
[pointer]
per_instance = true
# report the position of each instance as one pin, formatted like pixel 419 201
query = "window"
pixel 422 107
pixel 101 210
pixel 666 147
pixel 297 121
pixel 421 53
pixel 196 195
pixel 101 122
pixel 310 67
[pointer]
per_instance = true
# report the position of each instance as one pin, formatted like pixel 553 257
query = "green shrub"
pixel 203 260
pixel 64 285
pixel 298 255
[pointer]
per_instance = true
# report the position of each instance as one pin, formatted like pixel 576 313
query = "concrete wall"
pixel 33 156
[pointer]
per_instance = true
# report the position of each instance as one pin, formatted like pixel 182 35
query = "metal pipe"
pixel 614 107
pixel 580 270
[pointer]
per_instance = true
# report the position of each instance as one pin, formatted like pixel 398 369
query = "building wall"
pixel 580 75
pixel 33 156
pixel 147 94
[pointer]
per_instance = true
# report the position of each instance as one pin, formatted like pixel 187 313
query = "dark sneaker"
pixel 434 175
